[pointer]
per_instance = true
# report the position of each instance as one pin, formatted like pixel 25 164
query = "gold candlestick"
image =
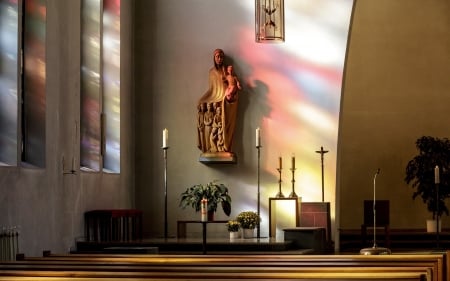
pixel 279 194
pixel 293 194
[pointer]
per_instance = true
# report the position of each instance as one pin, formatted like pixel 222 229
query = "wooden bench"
pixel 433 267
pixel 113 225
pixel 216 274
pixel 168 268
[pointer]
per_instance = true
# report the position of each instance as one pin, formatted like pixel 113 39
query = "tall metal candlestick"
pixel 436 182
pixel 293 194
pixel 437 214
pixel 279 194
pixel 322 152
pixel 258 226
pixel 165 191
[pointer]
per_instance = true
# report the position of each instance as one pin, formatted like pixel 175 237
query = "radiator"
pixel 9 243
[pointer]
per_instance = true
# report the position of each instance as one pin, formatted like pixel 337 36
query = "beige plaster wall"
pixel 173 48
pixel 396 88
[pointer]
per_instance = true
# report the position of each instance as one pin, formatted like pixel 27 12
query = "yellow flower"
pixel 248 219
pixel 233 225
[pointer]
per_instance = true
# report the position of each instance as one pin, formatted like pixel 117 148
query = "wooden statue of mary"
pixel 218 110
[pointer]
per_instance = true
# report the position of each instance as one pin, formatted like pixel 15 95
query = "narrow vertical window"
pixel 100 96
pixel 9 71
pixel 34 83
pixel 111 84
pixel 91 85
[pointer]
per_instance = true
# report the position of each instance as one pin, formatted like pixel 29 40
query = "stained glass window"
pixel 100 95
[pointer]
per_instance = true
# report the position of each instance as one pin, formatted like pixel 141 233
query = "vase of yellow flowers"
pixel 248 220
pixel 233 228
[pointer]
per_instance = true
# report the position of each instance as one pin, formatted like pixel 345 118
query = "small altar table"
pixel 181 230
pixel 181 226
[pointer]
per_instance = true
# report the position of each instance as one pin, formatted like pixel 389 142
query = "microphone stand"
pixel 375 250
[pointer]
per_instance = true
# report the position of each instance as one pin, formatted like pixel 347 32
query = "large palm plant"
pixel 420 173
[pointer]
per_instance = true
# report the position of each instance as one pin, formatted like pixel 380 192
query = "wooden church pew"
pixel 434 260
pixel 223 273
pixel 75 276
pixel 426 267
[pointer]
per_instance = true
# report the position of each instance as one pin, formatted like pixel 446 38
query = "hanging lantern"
pixel 269 19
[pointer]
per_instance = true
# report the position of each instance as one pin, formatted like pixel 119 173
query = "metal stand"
pixel 437 216
pixel 293 195
pixel 279 194
pixel 375 250
pixel 322 152
pixel 165 191
pixel 258 226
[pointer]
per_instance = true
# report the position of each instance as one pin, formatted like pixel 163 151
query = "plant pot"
pixel 431 225
pixel 234 234
pixel 248 232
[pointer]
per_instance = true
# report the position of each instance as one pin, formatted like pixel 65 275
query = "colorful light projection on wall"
pixel 299 85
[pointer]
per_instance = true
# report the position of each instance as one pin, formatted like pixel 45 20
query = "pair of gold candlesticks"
pixel 280 193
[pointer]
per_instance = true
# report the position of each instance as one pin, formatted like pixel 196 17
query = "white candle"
pixel 258 137
pixel 165 138
pixel 436 174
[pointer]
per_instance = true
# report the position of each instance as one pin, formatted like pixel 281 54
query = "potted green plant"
pixel 233 228
pixel 420 174
pixel 248 220
pixel 216 194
